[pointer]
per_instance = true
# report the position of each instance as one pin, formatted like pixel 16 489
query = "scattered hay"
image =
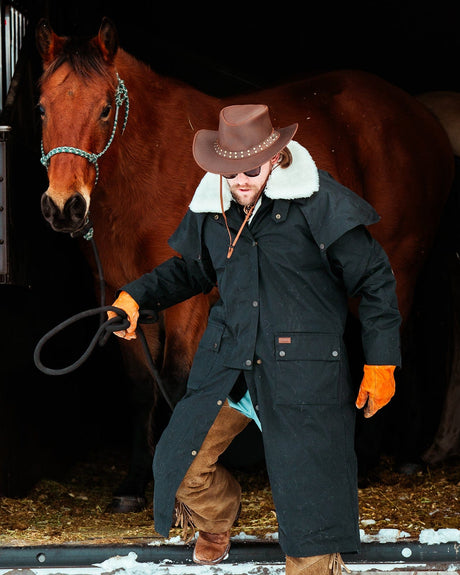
pixel 71 510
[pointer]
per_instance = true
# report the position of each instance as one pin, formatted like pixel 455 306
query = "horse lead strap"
pixel 121 96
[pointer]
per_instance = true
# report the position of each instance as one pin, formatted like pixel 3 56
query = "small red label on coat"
pixel 284 340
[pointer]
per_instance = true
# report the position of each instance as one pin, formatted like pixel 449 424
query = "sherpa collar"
pixel 299 180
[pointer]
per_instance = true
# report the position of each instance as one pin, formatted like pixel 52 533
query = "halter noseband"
pixel 121 95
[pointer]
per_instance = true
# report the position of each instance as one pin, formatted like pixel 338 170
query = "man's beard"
pixel 249 203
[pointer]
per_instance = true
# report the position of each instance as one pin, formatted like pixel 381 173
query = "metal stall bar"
pixel 12 30
pixel 408 556
pixel 4 130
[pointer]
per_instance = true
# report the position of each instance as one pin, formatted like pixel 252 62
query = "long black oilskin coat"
pixel 281 319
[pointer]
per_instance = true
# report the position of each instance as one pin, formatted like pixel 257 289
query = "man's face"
pixel 244 188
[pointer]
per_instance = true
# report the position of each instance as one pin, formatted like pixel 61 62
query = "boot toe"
pixel 211 548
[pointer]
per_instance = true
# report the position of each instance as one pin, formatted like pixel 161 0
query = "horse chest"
pixel 117 251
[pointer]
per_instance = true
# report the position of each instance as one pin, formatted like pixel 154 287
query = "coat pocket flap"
pixel 212 337
pixel 298 346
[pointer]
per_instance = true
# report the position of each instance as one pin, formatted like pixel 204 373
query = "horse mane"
pixel 84 58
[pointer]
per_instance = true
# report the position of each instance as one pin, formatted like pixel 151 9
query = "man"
pixel 286 245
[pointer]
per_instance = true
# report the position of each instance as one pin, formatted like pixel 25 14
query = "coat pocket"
pixel 206 355
pixel 307 368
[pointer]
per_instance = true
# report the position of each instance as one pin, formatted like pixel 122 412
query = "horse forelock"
pixel 83 57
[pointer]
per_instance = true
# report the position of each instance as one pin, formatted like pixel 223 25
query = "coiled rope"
pixel 105 329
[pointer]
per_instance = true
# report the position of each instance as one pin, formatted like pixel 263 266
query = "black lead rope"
pixel 118 323
pixel 105 330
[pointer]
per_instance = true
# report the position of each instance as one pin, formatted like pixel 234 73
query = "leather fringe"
pixel 330 564
pixel 336 563
pixel 183 519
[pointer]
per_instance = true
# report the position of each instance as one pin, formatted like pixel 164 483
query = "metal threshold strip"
pixel 75 555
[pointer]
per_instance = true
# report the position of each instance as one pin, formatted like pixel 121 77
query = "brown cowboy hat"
pixel 245 140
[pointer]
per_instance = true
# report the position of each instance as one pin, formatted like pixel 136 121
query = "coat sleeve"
pixel 180 277
pixel 337 218
pixel 365 270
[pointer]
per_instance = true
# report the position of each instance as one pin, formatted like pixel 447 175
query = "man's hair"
pixel 285 158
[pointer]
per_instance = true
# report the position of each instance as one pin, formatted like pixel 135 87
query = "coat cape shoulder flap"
pixel 335 210
pixel 330 208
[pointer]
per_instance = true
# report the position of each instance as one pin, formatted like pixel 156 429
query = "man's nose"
pixel 242 178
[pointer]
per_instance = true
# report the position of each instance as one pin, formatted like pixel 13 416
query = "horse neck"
pixel 155 151
pixel 148 175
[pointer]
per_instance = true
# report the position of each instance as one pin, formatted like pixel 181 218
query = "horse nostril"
pixel 75 208
pixel 48 207
pixel 70 219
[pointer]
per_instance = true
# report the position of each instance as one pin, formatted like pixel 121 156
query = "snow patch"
pixel 433 537
pixel 383 536
pixel 129 565
pixel 171 541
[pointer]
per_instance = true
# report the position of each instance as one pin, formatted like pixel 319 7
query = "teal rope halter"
pixel 121 95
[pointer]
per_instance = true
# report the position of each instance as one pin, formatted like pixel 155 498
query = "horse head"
pixel 80 96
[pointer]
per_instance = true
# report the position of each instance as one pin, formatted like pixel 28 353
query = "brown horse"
pixel 446 443
pixel 137 180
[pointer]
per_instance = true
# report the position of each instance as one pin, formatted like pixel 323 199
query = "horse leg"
pixel 399 429
pixel 184 324
pixel 129 496
pixel 446 442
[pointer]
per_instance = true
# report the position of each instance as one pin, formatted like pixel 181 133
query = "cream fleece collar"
pixel 299 180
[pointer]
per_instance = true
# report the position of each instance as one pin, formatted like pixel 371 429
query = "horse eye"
pixel 41 110
pixel 106 112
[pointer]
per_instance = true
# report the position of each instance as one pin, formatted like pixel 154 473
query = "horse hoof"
pixel 126 504
pixel 410 468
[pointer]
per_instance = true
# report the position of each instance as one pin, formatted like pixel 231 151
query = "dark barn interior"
pixel 48 422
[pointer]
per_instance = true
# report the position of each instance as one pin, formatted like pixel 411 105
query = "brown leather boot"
pixel 317 565
pixel 211 548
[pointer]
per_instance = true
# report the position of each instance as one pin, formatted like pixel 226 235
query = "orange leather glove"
pixel 131 307
pixel 377 388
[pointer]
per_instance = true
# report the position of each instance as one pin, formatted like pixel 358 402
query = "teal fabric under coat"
pixel 245 406
pixel 281 319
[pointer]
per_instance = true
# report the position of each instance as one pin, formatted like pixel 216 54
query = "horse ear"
pixel 108 40
pixel 48 43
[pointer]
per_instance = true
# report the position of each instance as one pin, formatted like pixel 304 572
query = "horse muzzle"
pixel 71 218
